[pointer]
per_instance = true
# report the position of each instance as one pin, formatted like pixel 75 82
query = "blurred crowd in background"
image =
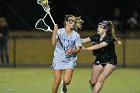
pixel 130 23
pixel 4 53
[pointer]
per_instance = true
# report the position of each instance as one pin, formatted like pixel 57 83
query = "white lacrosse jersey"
pixel 61 59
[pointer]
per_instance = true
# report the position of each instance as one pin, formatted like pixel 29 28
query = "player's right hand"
pixel 83 48
pixel 55 27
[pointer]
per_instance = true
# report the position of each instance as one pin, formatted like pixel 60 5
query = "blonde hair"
pixel 78 21
pixel 113 32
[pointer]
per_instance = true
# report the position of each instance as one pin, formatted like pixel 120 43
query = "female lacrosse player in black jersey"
pixel 104 50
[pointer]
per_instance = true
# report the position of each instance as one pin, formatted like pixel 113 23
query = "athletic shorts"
pixel 59 64
pixel 103 64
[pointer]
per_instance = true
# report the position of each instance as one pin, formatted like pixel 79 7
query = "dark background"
pixel 23 14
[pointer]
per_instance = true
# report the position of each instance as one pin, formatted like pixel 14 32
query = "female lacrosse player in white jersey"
pixel 67 44
pixel 104 50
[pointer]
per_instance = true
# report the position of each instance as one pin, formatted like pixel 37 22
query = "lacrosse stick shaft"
pixel 51 18
pixel 45 16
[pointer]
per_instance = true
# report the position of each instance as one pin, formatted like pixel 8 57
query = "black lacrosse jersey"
pixel 105 54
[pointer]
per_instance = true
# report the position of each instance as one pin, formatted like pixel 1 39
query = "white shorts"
pixel 59 64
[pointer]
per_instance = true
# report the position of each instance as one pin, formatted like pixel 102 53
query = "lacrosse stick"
pixel 40 24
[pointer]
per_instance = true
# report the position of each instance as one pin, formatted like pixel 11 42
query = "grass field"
pixel 38 51
pixel 39 80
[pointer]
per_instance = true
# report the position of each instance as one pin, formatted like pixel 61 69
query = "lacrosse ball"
pixel 44 1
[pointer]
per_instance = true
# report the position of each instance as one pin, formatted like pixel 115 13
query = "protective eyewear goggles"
pixel 71 21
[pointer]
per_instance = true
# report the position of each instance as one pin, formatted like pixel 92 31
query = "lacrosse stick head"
pixel 44 4
pixel 41 25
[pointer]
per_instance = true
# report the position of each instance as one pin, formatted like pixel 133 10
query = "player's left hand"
pixel 69 51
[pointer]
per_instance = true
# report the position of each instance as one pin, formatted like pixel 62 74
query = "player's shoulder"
pixel 109 37
pixel 94 36
pixel 61 30
pixel 76 33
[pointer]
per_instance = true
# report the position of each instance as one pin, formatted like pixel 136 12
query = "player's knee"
pixel 57 81
pixel 101 80
pixel 67 82
pixel 92 81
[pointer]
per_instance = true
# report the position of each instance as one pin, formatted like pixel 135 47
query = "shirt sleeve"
pixel 78 41
pixel 93 38
pixel 109 40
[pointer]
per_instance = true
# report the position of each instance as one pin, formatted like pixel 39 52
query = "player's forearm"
pixel 54 35
pixel 95 47
pixel 54 38
pixel 75 51
pixel 85 40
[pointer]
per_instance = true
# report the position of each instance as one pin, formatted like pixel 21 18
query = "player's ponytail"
pixel 112 32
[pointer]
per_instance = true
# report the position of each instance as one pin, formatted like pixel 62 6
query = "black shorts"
pixel 103 64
